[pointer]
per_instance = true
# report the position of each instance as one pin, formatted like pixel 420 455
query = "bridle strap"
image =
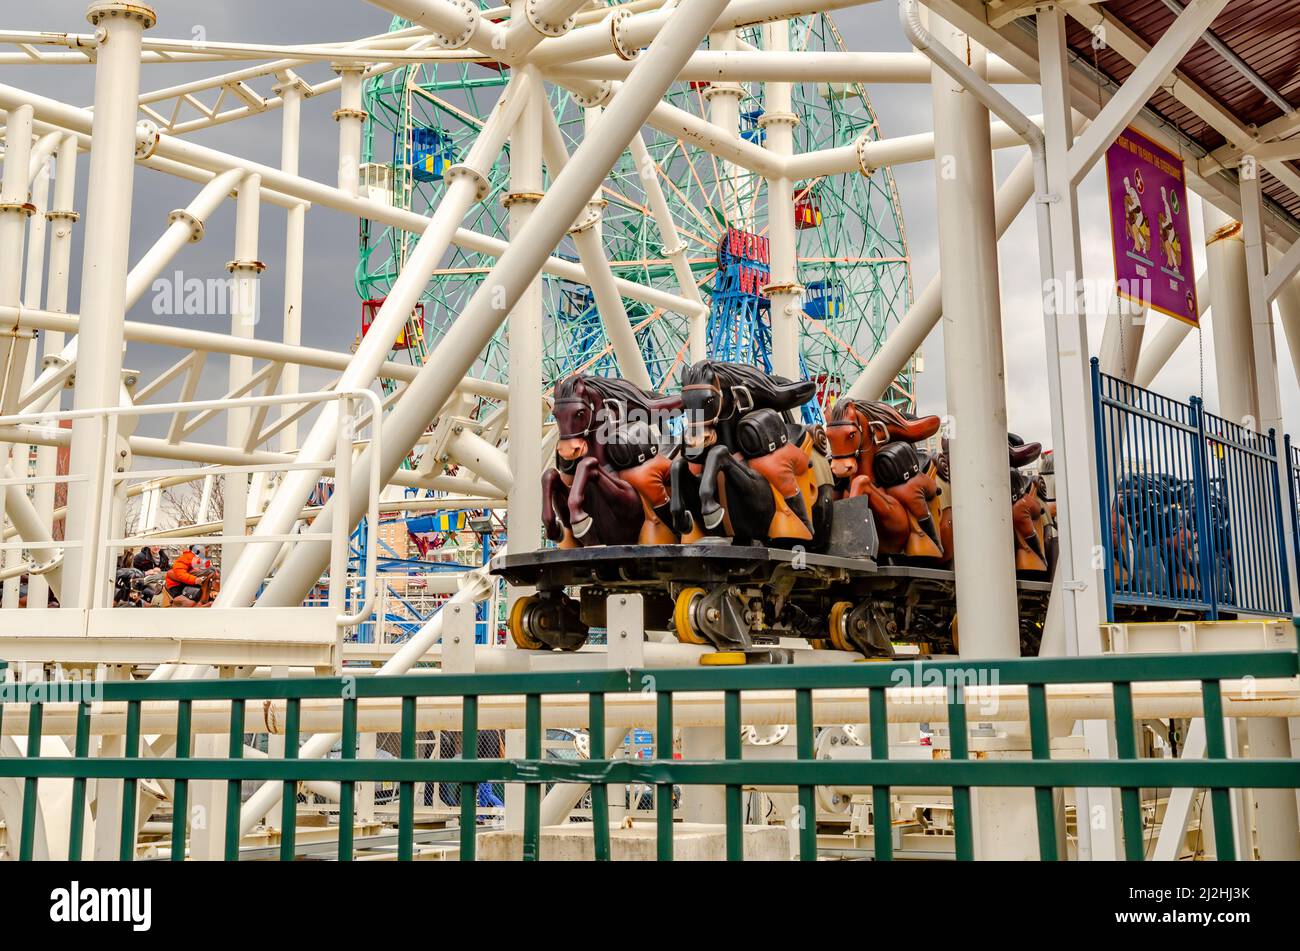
pixel 857 428
pixel 590 408
pixel 716 391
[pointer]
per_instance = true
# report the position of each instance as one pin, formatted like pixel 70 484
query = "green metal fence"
pixel 1041 772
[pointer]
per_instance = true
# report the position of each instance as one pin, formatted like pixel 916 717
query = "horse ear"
pixel 799 391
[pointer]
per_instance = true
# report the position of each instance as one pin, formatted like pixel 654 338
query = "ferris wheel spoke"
pixel 859 254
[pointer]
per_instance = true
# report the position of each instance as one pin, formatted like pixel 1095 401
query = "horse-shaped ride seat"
pixel 594 414
pixel 873 455
pixel 746 470
pixel 1030 515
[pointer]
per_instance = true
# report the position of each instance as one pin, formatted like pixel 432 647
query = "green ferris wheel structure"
pixel 852 247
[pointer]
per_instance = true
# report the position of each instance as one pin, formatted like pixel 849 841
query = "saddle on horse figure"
pixel 633 452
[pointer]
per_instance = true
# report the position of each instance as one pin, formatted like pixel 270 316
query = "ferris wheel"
pixel 853 258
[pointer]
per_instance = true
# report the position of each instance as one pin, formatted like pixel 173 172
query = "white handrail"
pixel 342 465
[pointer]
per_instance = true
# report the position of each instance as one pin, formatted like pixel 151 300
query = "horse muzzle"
pixel 571 449
pixel 844 468
pixel 698 440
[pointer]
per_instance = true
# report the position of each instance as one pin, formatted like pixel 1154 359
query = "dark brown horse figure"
pixel 744 470
pixel 584 499
pixel 872 455
pixel 1030 515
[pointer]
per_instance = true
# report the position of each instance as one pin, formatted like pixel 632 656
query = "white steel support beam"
pixel 61 218
pixel 826 66
pixel 1070 392
pixel 1288 310
pixel 976 383
pixel 724 113
pixel 1277 829
pixel 509 279
pixel 1146 78
pixel 784 291
pixel 1246 366
pixel 1234 353
pixel 350 117
pixel 640 29
pixel 246 270
pixel 103 276
pixel 291 92
pixel 866 155
pixel 15 209
pixel 1283 270
pixel 531 134
pixel 454 25
pixel 33 286
pixel 1264 347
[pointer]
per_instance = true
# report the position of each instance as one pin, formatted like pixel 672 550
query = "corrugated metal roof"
pixel 1265 34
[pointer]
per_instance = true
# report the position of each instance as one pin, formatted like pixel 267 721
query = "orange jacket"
pixel 179 572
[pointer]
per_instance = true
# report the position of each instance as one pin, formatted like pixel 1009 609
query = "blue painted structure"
pixel 1191 506
pixel 740 315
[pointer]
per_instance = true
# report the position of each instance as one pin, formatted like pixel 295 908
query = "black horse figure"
pixel 740 471
pixel 590 412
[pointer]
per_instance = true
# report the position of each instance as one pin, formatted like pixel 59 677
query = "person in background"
pixel 150 559
pixel 183 585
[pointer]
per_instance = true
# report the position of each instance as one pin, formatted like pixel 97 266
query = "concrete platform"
pixel 692 842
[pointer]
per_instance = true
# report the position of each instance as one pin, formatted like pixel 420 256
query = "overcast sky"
pixel 330 306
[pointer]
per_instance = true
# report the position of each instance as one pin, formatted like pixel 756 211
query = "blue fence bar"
pixel 1192 506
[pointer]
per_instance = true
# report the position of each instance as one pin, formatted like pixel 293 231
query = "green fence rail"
pixel 1128 772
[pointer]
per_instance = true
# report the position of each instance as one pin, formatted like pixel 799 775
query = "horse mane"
pixel 609 388
pixel 768 390
pixel 873 410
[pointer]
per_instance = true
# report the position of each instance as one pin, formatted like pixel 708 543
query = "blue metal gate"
pixel 1191 506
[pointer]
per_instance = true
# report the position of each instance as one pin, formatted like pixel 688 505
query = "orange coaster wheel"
pixel 518 628
pixel 837 628
pixel 683 622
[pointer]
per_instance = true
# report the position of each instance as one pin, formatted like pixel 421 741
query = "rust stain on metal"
pixel 1231 230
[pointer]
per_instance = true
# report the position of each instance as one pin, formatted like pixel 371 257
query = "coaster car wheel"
pixel 837 629
pixel 684 621
pixel 547 620
pixel 518 623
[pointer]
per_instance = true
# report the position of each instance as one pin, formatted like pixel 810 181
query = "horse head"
pixel 715 395
pixel 853 436
pixel 576 410
pixel 590 410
